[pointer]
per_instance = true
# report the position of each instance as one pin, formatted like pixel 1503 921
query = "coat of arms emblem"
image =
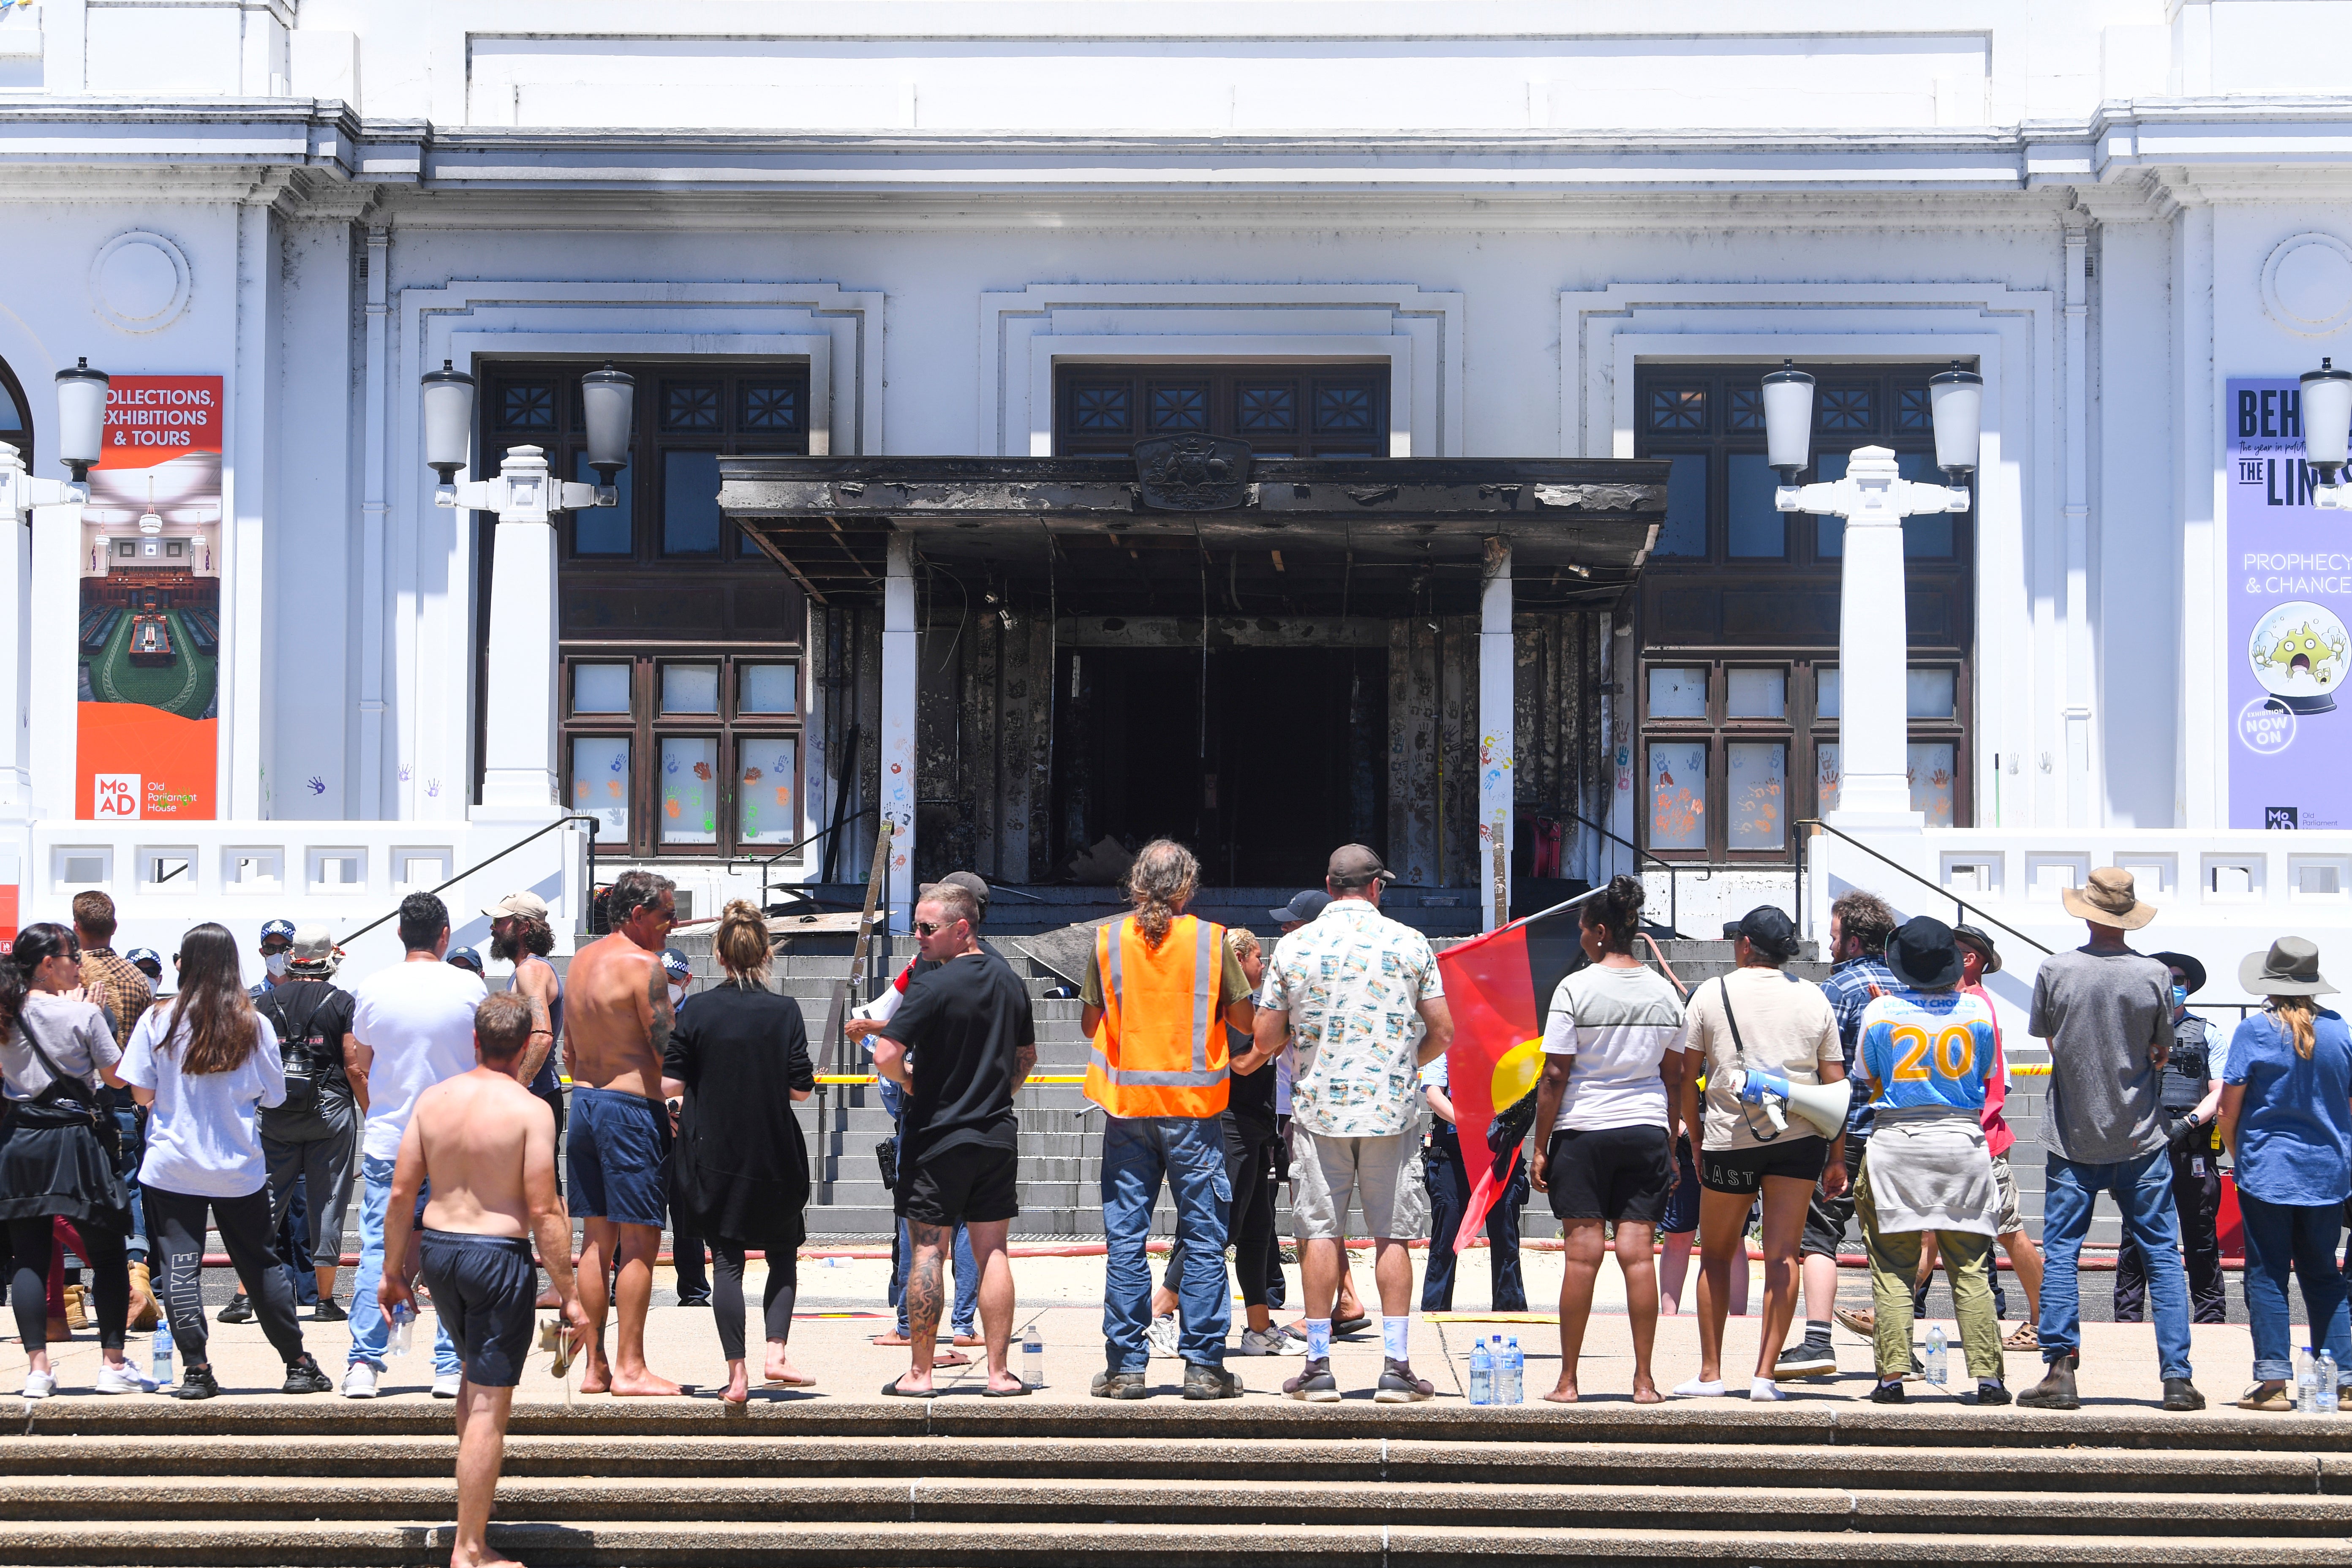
pixel 1193 472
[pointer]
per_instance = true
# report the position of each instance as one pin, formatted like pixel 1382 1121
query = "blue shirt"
pixel 2294 1128
pixel 1927 1049
pixel 1848 989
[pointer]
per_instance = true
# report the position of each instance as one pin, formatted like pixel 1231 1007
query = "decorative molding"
pixel 2317 267
pixel 140 281
pixel 1025 335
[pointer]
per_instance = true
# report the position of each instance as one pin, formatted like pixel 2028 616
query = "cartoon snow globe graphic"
pixel 2298 653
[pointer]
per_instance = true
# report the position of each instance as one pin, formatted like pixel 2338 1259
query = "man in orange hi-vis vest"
pixel 1159 987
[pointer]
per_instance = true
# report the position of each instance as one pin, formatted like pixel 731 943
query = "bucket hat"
pixel 2291 968
pixel 2108 900
pixel 2193 973
pixel 1924 951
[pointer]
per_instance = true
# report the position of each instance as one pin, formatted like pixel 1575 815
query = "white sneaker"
pixel 447 1385
pixel 359 1381
pixel 1161 1337
pixel 40 1385
pixel 124 1379
pixel 1270 1341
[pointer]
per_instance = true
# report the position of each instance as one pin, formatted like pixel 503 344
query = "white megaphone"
pixel 1823 1105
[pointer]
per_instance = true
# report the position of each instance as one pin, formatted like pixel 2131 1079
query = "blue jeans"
pixel 134 1149
pixel 2301 1237
pixel 962 1316
pixel 2143 1192
pixel 1189 1152
pixel 370 1332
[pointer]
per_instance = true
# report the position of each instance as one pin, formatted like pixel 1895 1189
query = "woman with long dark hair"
pixel 204 1063
pixel 741 1175
pixel 1612 1079
pixel 59 1160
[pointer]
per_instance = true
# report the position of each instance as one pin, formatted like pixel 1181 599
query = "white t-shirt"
pixel 1619 1025
pixel 203 1132
pixel 418 1020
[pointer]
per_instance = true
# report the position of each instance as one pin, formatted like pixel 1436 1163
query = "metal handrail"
pixel 836 826
pixel 1674 899
pixel 569 817
pixel 1962 904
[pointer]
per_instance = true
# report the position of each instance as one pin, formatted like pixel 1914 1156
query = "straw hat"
pixel 2291 968
pixel 2108 901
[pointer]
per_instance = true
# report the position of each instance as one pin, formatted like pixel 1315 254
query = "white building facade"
pixel 1381 230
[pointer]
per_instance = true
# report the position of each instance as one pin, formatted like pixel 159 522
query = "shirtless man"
pixel 617 1023
pixel 520 934
pixel 487 1146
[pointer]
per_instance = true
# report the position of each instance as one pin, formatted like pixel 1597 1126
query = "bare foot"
pixel 1008 1385
pixel 1564 1395
pixel 915 1385
pixel 784 1375
pixel 967 1340
pixel 645 1383
pixel 464 1560
pixel 548 1298
pixel 1645 1392
pixel 738 1384
pixel 892 1337
pixel 595 1372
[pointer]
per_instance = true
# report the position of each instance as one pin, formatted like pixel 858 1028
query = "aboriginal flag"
pixel 1497 986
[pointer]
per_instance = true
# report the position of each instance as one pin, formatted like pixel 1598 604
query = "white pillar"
pixel 16 645
pixel 898 656
pixel 52 614
pixel 519 777
pixel 1497 669
pixel 1874 654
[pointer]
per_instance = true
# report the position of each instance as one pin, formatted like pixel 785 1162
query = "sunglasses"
pixel 926 928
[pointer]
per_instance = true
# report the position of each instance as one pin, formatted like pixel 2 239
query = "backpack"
pixel 308 1051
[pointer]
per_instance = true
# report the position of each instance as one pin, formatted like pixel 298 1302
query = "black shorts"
pixel 1744 1169
pixel 971 1184
pixel 483 1287
pixel 1610 1172
pixel 1682 1207
pixel 1826 1219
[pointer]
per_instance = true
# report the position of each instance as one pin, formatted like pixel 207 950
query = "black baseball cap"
pixel 1924 951
pixel 1303 906
pixel 1769 932
pixel 1354 866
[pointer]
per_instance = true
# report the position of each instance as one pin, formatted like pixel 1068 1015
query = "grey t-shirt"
pixel 2101 1012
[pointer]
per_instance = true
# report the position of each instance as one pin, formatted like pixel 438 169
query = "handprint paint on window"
pixel 1677 796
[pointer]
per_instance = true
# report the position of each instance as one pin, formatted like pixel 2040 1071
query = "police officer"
pixel 1450 1180
pixel 2191 1095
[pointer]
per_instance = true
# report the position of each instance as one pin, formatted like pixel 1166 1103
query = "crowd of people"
pixel 138 1120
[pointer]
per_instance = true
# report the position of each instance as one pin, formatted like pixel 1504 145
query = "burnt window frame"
pixel 1145 384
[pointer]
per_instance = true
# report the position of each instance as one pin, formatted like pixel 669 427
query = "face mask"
pixel 275 963
pixel 2181 995
pixel 677 996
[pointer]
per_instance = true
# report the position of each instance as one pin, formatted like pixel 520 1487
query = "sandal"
pixel 2021 1338
pixel 2255 1399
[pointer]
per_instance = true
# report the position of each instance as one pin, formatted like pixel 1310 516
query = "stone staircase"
pixel 955 1480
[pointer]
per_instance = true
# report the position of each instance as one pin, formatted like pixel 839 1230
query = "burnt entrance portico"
pixel 1441 622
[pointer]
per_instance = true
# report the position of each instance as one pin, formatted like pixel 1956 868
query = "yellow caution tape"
pixel 1035 1078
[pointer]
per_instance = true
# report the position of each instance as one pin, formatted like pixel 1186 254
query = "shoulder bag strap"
pixel 58 1076
pixel 1739 1047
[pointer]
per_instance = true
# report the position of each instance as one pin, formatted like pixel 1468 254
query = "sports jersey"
pixel 1925 1050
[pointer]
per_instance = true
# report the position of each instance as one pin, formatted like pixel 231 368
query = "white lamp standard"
pixel 81 428
pixel 1874 640
pixel 519 772
pixel 2328 430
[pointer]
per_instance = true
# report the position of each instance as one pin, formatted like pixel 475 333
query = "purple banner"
pixel 2290 597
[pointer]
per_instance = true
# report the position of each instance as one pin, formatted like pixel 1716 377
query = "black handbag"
pixel 886 1155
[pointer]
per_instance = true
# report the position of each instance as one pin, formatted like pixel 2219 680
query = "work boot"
pixel 2180 1393
pixel 1210 1382
pixel 1313 1383
pixel 1121 1385
pixel 238 1311
pixel 145 1313
pixel 2055 1391
pixel 325 1311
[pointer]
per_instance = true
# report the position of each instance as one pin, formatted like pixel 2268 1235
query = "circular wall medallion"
pixel 140 281
pixel 2307 285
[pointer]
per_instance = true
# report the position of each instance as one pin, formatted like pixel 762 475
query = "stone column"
pixel 1497 670
pixel 898 656
pixel 1874 652
pixel 519 772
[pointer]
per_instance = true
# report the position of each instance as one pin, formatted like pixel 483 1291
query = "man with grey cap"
pixel 2106 1012
pixel 314 1137
pixel 1360 998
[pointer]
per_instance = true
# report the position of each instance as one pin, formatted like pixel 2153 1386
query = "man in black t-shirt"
pixel 313 1138
pixel 973 1039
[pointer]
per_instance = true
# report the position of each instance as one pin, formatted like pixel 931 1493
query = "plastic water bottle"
pixel 2307 1382
pixel 2325 1374
pixel 1482 1374
pixel 159 1354
pixel 404 1331
pixel 1939 1361
pixel 1033 1357
pixel 1515 1373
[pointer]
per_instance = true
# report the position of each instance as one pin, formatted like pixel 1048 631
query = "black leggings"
pixel 727 1295
pixel 246 1231
pixel 1249 1159
pixel 28 1286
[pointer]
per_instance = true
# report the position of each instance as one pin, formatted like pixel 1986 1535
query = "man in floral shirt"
pixel 1360 998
